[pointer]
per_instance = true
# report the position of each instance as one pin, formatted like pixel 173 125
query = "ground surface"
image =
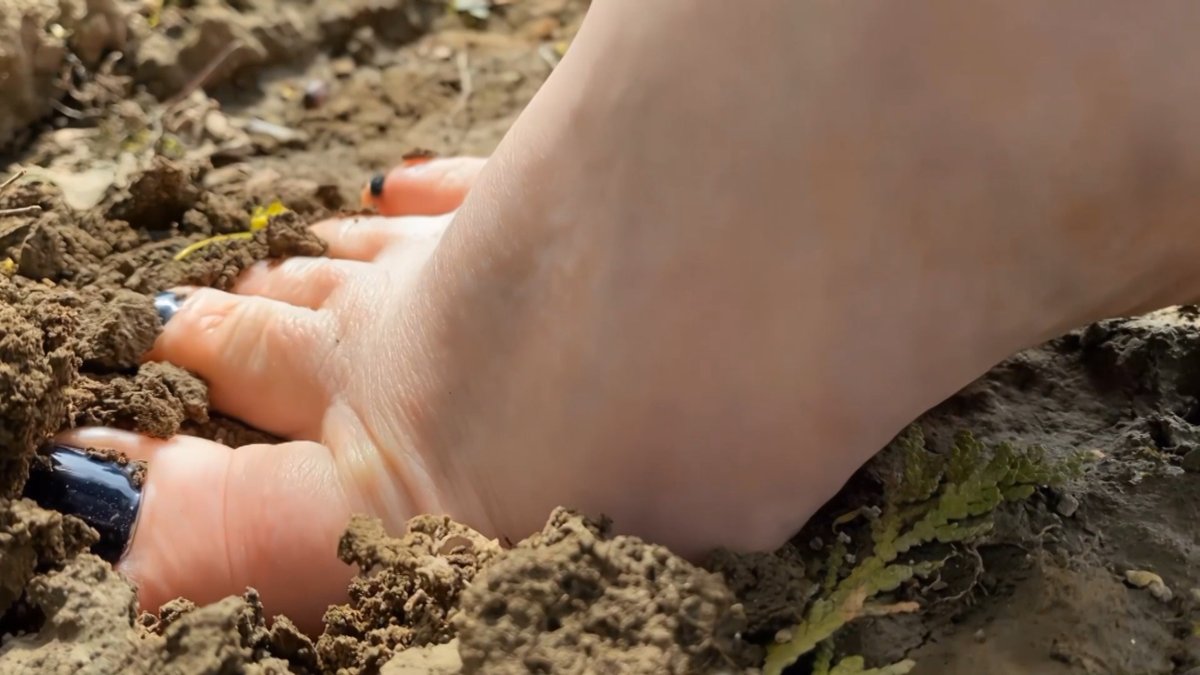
pixel 146 129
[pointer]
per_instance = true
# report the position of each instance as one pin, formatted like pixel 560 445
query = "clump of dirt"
pixel 408 593
pixel 575 599
pixel 159 196
pixel 774 587
pixel 440 659
pixel 219 264
pixel 90 624
pixel 33 540
pixel 135 469
pixel 156 400
pixel 37 364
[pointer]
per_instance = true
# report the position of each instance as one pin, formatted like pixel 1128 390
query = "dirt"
pixel 574 599
pixel 145 131
pixel 136 469
pixel 410 599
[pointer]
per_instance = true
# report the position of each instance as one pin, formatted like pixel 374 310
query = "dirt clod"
pixel 1067 505
pixel 773 587
pixel 37 364
pixel 409 593
pixel 1191 461
pixel 34 540
pixel 159 197
pixel 574 599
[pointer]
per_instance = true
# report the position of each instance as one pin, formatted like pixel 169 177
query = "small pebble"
pixel 362 45
pixel 316 92
pixel 343 67
pixel 980 636
pixel 1141 578
pixel 277 132
pixel 1067 505
pixel 1191 461
pixel 1161 592
pixel 1151 582
pixel 217 125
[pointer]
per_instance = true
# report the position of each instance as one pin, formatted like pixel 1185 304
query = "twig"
pixel 203 76
pixel 547 54
pixel 466 83
pixel 978 572
pixel 69 112
pixel 20 211
pixel 102 77
pixel 12 179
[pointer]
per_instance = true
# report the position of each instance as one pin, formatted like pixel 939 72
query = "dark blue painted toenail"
pixel 167 304
pixel 99 492
pixel 377 185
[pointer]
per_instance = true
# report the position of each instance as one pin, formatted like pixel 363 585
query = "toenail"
pixel 167 304
pixel 100 492
pixel 377 185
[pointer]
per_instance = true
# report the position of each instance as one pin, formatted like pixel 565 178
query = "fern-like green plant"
pixel 932 499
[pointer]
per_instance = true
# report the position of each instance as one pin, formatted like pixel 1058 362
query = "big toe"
pixel 209 520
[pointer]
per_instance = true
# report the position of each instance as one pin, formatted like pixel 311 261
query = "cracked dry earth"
pixel 141 135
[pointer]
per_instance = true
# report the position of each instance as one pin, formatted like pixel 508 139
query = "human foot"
pixel 702 334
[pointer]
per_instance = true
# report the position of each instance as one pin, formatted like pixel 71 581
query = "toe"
pixel 265 362
pixel 214 520
pixel 303 282
pixel 420 188
pixel 366 238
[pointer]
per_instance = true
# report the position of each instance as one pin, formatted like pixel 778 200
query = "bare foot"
pixel 690 299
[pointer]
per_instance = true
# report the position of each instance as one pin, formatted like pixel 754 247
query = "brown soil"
pixel 132 158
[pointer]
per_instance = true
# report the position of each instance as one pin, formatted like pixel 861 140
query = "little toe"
pixel 423 187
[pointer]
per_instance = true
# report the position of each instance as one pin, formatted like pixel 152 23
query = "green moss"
pixel 932 499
